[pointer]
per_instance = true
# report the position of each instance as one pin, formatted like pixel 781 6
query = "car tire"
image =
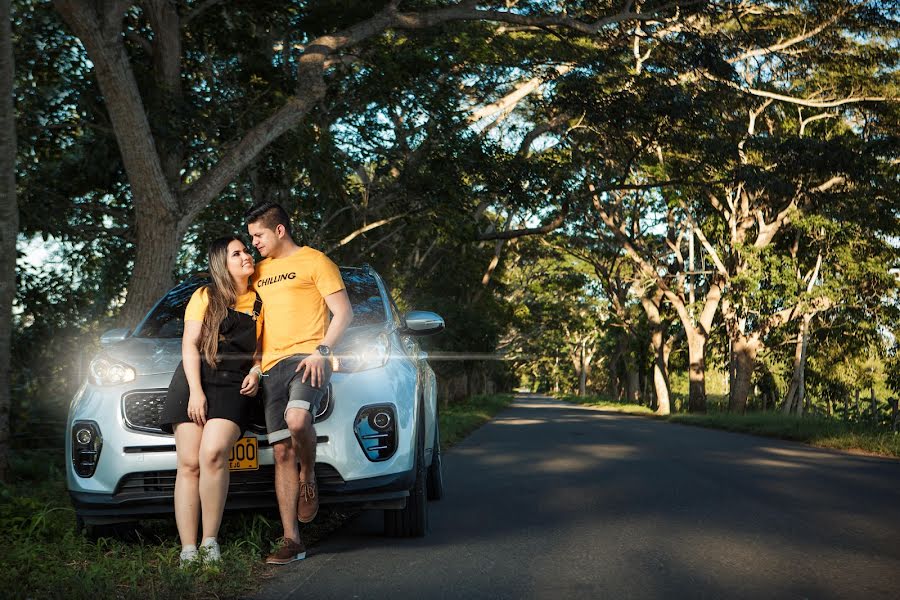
pixel 435 470
pixel 412 520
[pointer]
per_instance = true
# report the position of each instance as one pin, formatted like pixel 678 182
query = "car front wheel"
pixel 435 471
pixel 412 520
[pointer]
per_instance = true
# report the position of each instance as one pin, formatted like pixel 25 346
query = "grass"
pixel 459 419
pixel 43 556
pixel 606 404
pixel 816 431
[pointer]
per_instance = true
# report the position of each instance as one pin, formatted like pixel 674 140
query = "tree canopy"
pixel 585 191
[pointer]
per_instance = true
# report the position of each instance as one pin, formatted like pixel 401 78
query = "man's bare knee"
pixel 299 421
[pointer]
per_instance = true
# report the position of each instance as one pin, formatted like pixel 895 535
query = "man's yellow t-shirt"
pixel 292 289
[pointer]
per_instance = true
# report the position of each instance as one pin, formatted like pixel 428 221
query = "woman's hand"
pixel 251 384
pixel 196 410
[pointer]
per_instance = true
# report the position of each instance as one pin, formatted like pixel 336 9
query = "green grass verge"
pixel 45 557
pixel 606 404
pixel 816 431
pixel 461 418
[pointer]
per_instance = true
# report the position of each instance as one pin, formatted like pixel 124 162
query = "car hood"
pixel 362 333
pixel 151 356
pixel 147 356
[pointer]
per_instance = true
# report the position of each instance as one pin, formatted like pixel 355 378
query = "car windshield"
pixel 166 320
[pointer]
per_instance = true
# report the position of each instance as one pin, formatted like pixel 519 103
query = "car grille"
pixel 142 411
pixel 241 482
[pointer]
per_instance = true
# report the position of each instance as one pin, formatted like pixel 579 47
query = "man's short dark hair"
pixel 270 215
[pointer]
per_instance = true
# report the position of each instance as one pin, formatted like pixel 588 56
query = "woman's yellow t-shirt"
pixel 293 289
pixel 196 307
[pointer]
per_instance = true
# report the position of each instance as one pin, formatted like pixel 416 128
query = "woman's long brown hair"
pixel 221 294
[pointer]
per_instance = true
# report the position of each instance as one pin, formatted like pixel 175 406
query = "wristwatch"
pixel 324 350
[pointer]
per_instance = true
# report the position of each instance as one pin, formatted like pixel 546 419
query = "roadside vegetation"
pixel 459 419
pixel 819 431
pixel 45 557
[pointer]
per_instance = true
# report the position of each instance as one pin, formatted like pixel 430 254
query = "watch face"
pixel 324 350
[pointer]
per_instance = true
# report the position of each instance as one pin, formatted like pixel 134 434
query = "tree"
pixel 139 54
pixel 9 222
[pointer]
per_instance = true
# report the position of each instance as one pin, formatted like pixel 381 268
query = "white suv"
pixel 377 428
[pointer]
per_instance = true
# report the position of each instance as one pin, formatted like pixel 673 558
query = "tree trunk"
pixel 696 371
pixel 613 388
pixel 633 383
pixel 162 212
pixel 797 390
pixel 874 402
pixel 894 413
pixel 9 225
pixel 697 334
pixel 582 373
pixel 662 347
pixel 745 350
pixel 556 375
pixel 158 240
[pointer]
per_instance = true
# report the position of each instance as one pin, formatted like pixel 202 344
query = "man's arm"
pixel 314 364
pixel 339 305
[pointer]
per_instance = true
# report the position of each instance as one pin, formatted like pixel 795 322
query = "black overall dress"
pixel 222 385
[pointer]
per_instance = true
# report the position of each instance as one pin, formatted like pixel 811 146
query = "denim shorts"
pixel 285 390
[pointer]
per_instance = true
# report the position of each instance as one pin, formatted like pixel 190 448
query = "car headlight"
pixel 104 371
pixel 362 356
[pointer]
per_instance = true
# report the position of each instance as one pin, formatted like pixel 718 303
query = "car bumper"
pixel 151 494
pixel 135 473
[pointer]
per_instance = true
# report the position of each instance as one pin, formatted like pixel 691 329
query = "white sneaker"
pixel 189 556
pixel 211 552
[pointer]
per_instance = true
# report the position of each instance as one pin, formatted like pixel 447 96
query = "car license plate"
pixel 244 455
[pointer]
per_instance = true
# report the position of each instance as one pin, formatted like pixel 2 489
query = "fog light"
pixel 381 420
pixel 84 436
pixel 375 431
pixel 86 446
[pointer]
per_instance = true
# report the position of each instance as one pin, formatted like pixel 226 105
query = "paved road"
pixel 552 500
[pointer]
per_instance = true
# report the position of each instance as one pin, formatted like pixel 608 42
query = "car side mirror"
pixel 114 335
pixel 422 322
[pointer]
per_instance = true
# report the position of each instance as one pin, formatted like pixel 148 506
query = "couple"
pixel 272 321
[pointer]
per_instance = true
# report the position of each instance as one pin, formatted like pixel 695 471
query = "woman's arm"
pixel 250 385
pixel 190 358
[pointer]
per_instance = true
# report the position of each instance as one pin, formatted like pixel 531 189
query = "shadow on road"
pixel 552 498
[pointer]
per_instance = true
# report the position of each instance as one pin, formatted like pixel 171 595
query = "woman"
pixel 210 399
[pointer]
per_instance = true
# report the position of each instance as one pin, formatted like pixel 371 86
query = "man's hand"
pixel 251 384
pixel 313 366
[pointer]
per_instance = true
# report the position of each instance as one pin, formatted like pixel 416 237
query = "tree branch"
pixel 789 42
pixel 508 102
pixel 353 235
pixel 698 231
pixel 797 101
pixel 556 223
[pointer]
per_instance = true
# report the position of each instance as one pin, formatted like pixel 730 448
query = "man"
pixel 298 286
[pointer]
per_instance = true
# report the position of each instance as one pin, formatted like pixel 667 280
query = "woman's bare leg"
pixel 219 435
pixel 187 481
